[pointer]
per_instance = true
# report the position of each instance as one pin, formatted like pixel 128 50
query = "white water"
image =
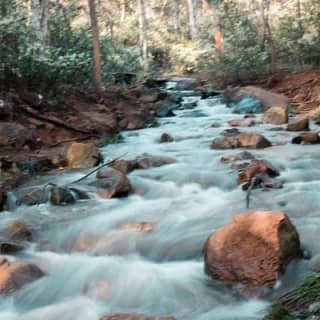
pixel 161 273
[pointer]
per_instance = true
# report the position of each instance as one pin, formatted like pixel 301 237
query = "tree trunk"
pixel 192 20
pixel 143 34
pixel 217 37
pixel 176 17
pixel 96 61
pixel 301 32
pixel 123 11
pixel 40 18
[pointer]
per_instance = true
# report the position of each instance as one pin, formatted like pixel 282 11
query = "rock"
pixel 146 161
pixel 30 196
pixel 268 99
pixel 255 167
pixel 253 140
pixel 114 184
pixel 225 143
pixel 300 124
pixel 246 105
pixel 82 155
pixel 19 231
pixel 229 158
pixel 10 247
pixel 276 115
pixel 60 196
pixel 262 180
pixel 144 227
pixel 241 122
pixel 80 194
pixel 98 289
pixel 242 140
pixel 253 249
pixel 14 275
pixel 165 137
pixel 124 166
pixel 230 132
pixel 132 123
pixel 165 108
pixel 314 263
pixel 307 138
pixel 127 316
pixel 185 83
pixel 15 135
pixel 246 155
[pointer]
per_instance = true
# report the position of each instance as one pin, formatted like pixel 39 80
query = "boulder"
pixel 268 98
pixel 255 167
pixel 10 247
pixel 253 140
pixel 165 108
pixel 249 140
pixel 127 316
pixel 15 135
pixel 247 105
pixel 311 137
pixel 300 124
pixel 112 184
pixel 61 196
pixel 276 115
pixel 253 249
pixel 183 83
pixel 14 275
pixel 165 138
pixel 133 122
pixel 247 122
pixel 264 181
pixel 82 155
pixel 19 231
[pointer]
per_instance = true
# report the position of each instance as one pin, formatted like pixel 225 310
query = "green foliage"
pixel 154 124
pixel 103 142
pixel 280 312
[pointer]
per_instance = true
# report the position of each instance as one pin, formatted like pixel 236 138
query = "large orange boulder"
pixel 253 249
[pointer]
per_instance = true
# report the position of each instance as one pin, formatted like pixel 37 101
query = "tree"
pixel 192 20
pixel 96 61
pixel 143 37
pixel 217 35
pixel 40 18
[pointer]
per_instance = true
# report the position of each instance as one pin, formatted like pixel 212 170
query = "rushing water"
pixel 161 273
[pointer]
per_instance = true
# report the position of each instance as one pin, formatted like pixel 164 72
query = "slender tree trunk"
pixel 301 31
pixel 143 34
pixel 176 16
pixel 192 20
pixel 96 61
pixel 123 11
pixel 217 37
pixel 40 18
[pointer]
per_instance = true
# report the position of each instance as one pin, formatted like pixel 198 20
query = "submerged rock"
pixel 247 122
pixel 19 231
pixel 127 316
pixel 30 196
pixel 14 275
pixel 165 138
pixel 253 249
pixel 144 227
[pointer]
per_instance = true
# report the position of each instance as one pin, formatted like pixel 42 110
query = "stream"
pixel 162 272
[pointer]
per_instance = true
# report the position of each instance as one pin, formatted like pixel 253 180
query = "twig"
pixel 98 168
